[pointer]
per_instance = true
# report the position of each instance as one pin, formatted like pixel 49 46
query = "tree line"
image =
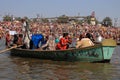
pixel 107 21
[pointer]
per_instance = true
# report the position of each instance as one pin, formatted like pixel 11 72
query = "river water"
pixel 17 68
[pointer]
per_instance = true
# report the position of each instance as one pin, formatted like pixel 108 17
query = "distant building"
pixel 93 19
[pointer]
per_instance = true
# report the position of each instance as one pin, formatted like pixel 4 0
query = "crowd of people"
pixel 55 34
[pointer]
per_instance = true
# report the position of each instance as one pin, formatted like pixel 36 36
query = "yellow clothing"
pixel 85 42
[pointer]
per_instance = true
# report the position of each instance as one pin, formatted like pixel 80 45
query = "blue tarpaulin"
pixel 36 38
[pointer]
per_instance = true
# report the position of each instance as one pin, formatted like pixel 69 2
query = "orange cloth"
pixel 62 45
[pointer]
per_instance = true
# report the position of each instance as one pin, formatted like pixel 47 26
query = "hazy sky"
pixel 53 8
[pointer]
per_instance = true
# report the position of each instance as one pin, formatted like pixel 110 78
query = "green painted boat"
pixel 108 48
pixel 97 53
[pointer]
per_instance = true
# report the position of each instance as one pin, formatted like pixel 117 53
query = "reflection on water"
pixel 116 55
pixel 16 68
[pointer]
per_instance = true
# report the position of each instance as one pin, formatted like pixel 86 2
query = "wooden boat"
pixel 97 53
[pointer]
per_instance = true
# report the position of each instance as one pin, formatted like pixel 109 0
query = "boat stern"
pixel 108 46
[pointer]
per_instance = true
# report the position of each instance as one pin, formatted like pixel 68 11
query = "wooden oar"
pixel 2 51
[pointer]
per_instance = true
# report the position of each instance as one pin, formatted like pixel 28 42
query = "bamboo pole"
pixel 2 51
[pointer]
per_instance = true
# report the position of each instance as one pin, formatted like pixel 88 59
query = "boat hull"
pixel 88 54
pixel 108 51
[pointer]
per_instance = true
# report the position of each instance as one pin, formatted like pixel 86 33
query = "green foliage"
pixel 26 18
pixel 34 20
pixel 88 19
pixel 107 21
pixel 63 19
pixel 18 18
pixel 7 18
pixel 45 20
pixel 80 22
pixel 96 21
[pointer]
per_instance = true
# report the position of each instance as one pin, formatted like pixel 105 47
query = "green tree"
pixel 26 18
pixel 107 21
pixel 7 18
pixel 45 20
pixel 88 19
pixel 34 20
pixel 63 19
pixel 18 18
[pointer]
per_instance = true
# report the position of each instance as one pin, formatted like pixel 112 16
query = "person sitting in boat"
pixel 64 42
pixel 15 39
pixel 84 42
pixel 45 45
pixel 36 41
pixel 20 39
pixel 49 42
pixel 8 39
pixel 52 42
